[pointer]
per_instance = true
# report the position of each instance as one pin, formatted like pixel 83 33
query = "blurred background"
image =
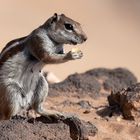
pixel 112 27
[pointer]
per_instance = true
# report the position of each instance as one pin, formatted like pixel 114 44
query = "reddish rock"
pixel 128 101
pixel 91 82
pixel 41 128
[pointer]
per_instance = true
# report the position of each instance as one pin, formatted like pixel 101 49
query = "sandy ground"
pixel 109 127
pixel 112 28
pixel 114 128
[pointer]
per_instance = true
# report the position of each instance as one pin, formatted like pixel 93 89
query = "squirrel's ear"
pixel 55 18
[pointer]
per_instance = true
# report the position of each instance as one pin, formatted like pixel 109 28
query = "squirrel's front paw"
pixel 75 54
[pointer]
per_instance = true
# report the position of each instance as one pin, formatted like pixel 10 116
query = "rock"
pixel 87 111
pixel 113 79
pixel 81 84
pixel 70 128
pixel 127 101
pixel 119 119
pixel 91 82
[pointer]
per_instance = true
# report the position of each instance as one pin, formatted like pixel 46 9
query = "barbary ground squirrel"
pixel 22 84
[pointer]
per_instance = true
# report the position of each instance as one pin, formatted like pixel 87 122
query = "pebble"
pixel 87 111
pixel 119 119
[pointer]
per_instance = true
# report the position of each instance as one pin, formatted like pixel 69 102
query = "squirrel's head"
pixel 64 30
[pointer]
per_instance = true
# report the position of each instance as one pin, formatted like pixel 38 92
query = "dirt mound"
pixel 113 79
pixel 91 82
pixel 20 128
pixel 127 101
pixel 77 83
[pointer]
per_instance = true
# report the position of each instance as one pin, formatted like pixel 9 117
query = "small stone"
pixel 86 111
pixel 119 119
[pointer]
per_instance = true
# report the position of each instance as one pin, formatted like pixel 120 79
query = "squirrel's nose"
pixel 84 37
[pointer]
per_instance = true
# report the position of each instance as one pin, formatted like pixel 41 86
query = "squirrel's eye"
pixel 68 26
